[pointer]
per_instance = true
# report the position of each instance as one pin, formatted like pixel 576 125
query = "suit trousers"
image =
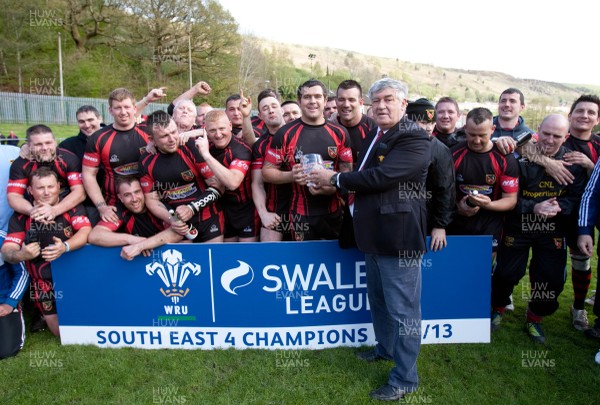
pixel 394 289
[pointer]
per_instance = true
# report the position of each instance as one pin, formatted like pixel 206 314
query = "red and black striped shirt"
pixel 143 224
pixel 117 152
pixel 490 173
pixel 590 147
pixel 236 156
pixel 178 178
pixel 278 195
pixel 23 230
pixel 296 138
pixel 66 164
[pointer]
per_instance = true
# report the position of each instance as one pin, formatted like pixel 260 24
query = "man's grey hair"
pixel 185 101
pixel 400 88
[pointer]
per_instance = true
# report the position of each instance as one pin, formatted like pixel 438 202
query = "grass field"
pixel 510 370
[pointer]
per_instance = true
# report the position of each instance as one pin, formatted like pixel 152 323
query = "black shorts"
pixel 12 333
pixel 43 295
pixel 317 227
pixel 242 221
pixel 209 229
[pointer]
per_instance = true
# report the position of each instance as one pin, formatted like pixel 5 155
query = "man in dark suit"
pixel 389 216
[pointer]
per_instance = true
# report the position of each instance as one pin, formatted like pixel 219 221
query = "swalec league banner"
pixel 287 295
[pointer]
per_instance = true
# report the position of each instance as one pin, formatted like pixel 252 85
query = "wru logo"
pixel 240 276
pixel 173 271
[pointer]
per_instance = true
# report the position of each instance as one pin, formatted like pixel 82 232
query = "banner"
pixel 287 295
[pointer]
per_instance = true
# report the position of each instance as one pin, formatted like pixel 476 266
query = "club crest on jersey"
pixel 332 151
pixel 114 159
pixel 173 271
pixel 142 149
pixel 490 179
pixel 430 114
pixel 187 175
pixel 68 231
pixel 380 158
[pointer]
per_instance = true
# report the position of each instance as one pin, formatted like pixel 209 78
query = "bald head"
pixel 552 133
pixel 555 120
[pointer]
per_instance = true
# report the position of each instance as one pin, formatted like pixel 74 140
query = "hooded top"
pixel 520 129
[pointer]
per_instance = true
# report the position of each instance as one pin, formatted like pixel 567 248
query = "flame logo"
pixel 235 278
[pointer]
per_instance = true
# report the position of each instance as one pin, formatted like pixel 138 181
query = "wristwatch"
pixel 333 180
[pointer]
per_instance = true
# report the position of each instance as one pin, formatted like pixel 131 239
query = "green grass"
pixel 449 374
pixel 60 131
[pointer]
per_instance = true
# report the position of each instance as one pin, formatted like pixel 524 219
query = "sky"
pixel 527 39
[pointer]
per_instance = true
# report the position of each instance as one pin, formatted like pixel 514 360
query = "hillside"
pixel 428 80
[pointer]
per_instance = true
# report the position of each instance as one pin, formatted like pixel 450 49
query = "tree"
pixel 252 64
pixel 26 30
pixel 166 26
pixel 86 20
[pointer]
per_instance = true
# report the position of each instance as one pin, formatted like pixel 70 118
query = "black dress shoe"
pixel 593 333
pixel 387 393
pixel 369 356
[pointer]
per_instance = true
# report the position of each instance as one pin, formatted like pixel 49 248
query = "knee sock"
pixel 581 275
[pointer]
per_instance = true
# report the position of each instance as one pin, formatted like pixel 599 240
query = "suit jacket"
pixel 389 208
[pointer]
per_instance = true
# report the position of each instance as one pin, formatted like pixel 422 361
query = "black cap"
pixel 421 110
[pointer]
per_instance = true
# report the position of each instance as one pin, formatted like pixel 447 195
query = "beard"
pixel 44 158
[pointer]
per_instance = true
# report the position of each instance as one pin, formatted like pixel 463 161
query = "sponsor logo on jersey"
pixel 114 159
pixel 17 185
pixel 90 158
pixel 213 228
pixel 346 154
pixel 240 164
pixel 81 220
pixel 74 177
pixel 205 169
pixel 181 192
pixel 128 169
pixel 274 154
pixel 14 239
